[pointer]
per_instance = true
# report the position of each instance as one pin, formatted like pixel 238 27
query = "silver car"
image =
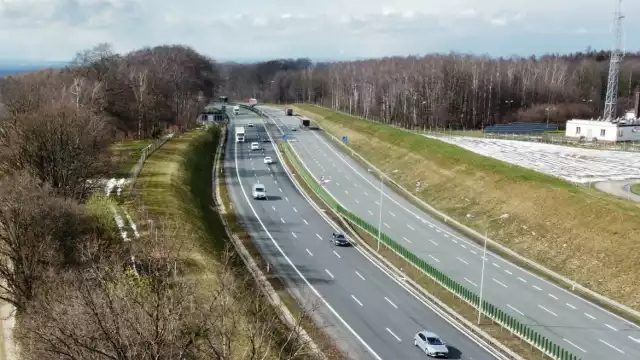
pixel 431 344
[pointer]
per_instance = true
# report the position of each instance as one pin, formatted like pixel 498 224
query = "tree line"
pixel 63 264
pixel 454 91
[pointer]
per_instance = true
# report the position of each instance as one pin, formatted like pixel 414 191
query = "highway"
pixel 366 310
pixel 581 327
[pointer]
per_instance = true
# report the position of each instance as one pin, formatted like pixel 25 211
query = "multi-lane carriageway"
pixel 583 328
pixel 365 307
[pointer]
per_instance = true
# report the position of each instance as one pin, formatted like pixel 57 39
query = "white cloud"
pixel 55 29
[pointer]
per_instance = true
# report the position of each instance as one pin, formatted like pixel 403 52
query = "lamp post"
pixel 548 110
pixel 380 211
pixel 484 259
pixel 380 215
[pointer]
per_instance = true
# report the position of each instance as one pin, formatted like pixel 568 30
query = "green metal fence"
pixel 497 315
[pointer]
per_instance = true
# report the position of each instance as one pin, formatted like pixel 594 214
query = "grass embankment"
pixel 635 188
pixel 432 287
pixel 126 154
pixel 176 188
pixel 588 236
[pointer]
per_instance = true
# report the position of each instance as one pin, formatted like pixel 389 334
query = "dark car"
pixel 339 239
pixel 265 140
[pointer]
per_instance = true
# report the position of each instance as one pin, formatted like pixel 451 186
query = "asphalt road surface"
pixel 369 312
pixel 581 327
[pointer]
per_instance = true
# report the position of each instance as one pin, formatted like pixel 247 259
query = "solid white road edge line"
pixel 275 243
pixel 490 253
pixel 387 271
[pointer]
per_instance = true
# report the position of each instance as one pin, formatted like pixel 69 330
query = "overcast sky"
pixel 50 30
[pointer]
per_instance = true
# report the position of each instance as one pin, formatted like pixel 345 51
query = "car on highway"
pixel 268 160
pixel 255 146
pixel 339 239
pixel 258 192
pixel 266 139
pixel 294 129
pixel 431 344
pixel 250 124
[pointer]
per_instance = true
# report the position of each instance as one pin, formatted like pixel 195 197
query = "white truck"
pixel 239 134
pixel 236 110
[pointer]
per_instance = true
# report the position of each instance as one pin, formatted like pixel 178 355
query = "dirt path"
pixel 621 188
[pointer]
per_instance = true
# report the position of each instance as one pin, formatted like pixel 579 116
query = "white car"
pixel 255 146
pixel 268 160
pixel 250 124
pixel 431 344
pixel 258 192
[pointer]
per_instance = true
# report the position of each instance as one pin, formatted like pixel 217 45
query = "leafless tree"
pixel 443 91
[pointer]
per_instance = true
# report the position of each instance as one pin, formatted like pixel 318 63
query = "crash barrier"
pixel 493 312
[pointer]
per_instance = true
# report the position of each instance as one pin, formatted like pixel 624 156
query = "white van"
pixel 236 110
pixel 259 192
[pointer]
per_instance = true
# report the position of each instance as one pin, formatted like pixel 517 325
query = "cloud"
pixel 256 29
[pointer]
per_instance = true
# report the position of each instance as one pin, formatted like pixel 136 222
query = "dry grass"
pixel 126 154
pixel 505 337
pixel 166 187
pixel 588 236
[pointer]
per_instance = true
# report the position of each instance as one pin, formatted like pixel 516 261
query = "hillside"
pixel 585 235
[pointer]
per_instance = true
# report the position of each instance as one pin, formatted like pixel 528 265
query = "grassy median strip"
pixel 585 235
pixel 428 284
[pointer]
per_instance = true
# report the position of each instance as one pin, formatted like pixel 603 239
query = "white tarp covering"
pixel 572 164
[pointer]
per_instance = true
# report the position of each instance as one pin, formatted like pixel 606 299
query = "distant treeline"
pixel 444 90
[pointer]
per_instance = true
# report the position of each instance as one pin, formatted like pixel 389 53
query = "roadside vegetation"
pixel 79 287
pixel 461 308
pixel 175 193
pixel 583 234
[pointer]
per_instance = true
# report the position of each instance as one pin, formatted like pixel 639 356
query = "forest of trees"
pixel 444 91
pixel 63 265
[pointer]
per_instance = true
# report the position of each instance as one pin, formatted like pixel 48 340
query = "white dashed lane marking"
pixel 470 282
pixel 547 310
pixel 390 302
pixel 611 346
pixel 516 310
pixel 574 345
pixel 499 283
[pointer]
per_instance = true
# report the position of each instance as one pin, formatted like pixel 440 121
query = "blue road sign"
pixel 286 137
pixel 344 139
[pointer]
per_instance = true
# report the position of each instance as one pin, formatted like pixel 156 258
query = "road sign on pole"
pixel 286 137
pixel 344 139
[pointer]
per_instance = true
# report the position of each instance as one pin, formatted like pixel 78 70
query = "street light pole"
pixel 484 259
pixel 380 215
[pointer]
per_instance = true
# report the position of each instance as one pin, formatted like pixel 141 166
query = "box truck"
pixel 239 134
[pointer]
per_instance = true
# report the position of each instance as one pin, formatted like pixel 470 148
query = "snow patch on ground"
pixel 116 185
pixel 569 163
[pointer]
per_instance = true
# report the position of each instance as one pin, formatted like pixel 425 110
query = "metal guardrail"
pixel 497 315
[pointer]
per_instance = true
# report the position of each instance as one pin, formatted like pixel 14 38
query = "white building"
pixel 623 129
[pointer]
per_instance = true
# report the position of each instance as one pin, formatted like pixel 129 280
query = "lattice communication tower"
pixel 614 66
